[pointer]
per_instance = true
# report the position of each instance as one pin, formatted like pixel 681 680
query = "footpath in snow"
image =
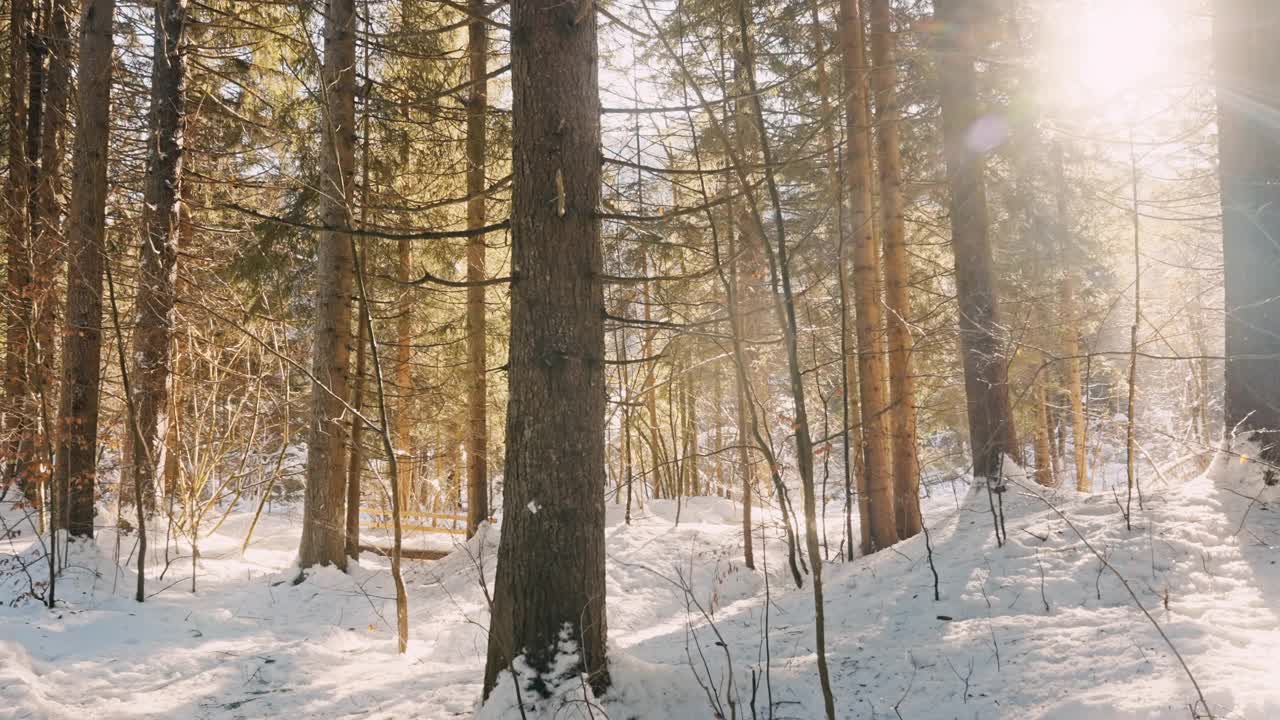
pixel 1039 628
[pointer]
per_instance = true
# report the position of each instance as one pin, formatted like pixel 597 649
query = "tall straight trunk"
pixel 897 271
pixel 77 452
pixel 744 437
pixel 717 439
pixel 1044 450
pixel 161 221
pixel 403 434
pixel 477 386
pixel 650 391
pixel 17 316
pixel 1131 417
pixel 355 461
pixel 29 460
pixel 1071 333
pixel 991 431
pixel 549 594
pixel 1249 155
pixel 691 430
pixel 323 518
pixel 868 318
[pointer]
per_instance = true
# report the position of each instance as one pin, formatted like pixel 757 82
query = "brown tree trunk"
pixel 1249 155
pixel 744 436
pixel 689 417
pixel 868 320
pixel 403 431
pixel 1071 333
pixel 355 462
pixel 1044 450
pixel 656 447
pixel 17 315
pixel 550 585
pixel 897 272
pixel 86 229
pixel 477 387
pixel 323 519
pixel 157 299
pixel 991 431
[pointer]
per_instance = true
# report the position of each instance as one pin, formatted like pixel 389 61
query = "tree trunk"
pixel 897 272
pixel 742 393
pixel 477 387
pixel 1071 333
pixel 991 431
pixel 1249 165
pixel 696 486
pixel 161 222
pixel 550 586
pixel 323 519
pixel 86 230
pixel 355 462
pixel 1044 450
pixel 403 431
pixel 17 317
pixel 868 320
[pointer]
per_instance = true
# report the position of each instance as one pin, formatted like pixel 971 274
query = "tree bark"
pixel 1044 463
pixel 477 385
pixel 355 461
pixel 897 272
pixel 77 453
pixel 1071 335
pixel 161 221
pixel 868 319
pixel 1249 166
pixel 18 274
pixel 323 519
pixel 550 586
pixel 991 431
pixel 46 235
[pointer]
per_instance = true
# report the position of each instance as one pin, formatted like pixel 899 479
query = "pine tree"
pixel 1249 166
pixel 477 387
pixel 324 517
pixel 991 430
pixel 152 377
pixel 897 272
pixel 77 453
pixel 549 595
pixel 868 317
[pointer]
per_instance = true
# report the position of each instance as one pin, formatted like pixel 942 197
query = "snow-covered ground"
pixel 1039 628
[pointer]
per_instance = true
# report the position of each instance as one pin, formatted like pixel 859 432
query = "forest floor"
pixel 1038 628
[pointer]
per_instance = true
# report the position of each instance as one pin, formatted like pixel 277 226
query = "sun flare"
pixel 1111 50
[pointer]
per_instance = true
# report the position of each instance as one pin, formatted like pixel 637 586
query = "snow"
pixel 249 643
